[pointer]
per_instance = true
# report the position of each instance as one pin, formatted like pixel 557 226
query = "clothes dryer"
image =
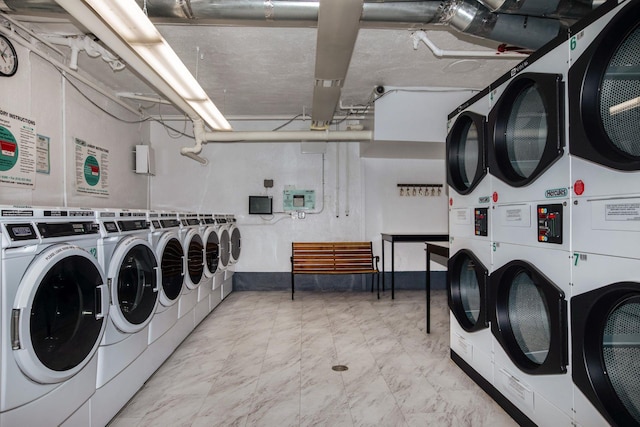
pixel 605 324
pixel 194 270
pixel 235 241
pixel 131 266
pixel 212 258
pixel 163 236
pixel 529 290
pixel 527 154
pixel 468 271
pixel 54 309
pixel 222 229
pixel 604 81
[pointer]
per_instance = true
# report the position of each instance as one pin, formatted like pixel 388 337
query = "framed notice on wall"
pixel 92 169
pixel 17 151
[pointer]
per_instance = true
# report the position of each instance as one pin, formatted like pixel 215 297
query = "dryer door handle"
pixel 156 269
pixel 102 301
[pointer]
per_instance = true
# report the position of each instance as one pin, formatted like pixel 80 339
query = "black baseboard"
pixel 509 407
pixel 280 281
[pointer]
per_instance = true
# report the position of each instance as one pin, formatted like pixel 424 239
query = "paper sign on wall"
pixel 92 169
pixel 43 164
pixel 17 151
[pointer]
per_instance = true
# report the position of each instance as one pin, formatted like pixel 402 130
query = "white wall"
pixel 388 212
pixel 39 92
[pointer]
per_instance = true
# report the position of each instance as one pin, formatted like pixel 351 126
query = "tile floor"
pixel 260 359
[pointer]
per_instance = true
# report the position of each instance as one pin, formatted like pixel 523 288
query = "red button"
pixel 495 197
pixel 450 201
pixel 578 187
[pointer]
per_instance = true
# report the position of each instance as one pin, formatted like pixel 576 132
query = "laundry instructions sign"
pixel 92 169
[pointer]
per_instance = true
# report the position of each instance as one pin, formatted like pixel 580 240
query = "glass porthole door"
pixel 467 290
pixel 466 153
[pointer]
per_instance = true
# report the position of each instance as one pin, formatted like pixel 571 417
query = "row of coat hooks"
pixel 417 190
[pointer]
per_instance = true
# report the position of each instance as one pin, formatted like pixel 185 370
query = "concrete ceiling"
pixel 266 71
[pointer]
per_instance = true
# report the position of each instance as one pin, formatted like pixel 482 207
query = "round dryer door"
pixel 466 154
pixel 171 269
pixel 467 290
pixel 211 252
pixel 526 128
pixel 605 82
pixel 133 274
pixel 225 248
pixel 235 243
pixel 606 350
pixel 195 259
pixel 529 318
pixel 59 314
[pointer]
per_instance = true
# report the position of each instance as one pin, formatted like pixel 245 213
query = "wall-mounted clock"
pixel 8 58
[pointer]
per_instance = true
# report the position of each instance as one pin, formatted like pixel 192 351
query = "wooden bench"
pixel 333 258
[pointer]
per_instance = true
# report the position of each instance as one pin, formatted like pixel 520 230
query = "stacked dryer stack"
pixel 54 313
pixel 470 236
pixel 132 275
pixel 604 136
pixel 222 228
pixel 530 285
pixel 194 259
pixel 163 337
pixel 234 254
pixel 212 259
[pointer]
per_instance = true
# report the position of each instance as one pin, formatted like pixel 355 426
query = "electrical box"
pixel 299 200
pixel 145 160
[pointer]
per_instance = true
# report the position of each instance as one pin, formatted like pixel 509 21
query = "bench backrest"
pixel 332 257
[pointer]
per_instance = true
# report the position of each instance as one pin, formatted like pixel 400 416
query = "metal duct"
pixel 559 9
pixel 472 18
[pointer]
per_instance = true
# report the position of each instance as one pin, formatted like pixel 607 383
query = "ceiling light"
pixel 124 27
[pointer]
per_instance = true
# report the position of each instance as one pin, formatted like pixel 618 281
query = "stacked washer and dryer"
pixel 563 288
pixel 471 257
pixel 55 305
pixel 604 137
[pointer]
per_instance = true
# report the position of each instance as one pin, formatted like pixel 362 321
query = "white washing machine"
pixel 194 270
pixel 163 236
pixel 54 310
pixel 131 267
pixel 212 258
pixel 235 243
pixel 604 82
pixel 469 185
pixel 605 324
pixel 468 268
pixel 530 289
pixel 222 228
pixel 527 153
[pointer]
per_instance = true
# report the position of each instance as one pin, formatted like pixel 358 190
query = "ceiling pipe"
pixel 93 49
pixel 558 9
pixel 421 36
pixel 469 16
pixel 203 137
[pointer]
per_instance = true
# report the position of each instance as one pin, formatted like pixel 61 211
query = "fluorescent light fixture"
pixel 124 27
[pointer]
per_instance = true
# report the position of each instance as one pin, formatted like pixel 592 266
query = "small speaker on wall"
pixel 145 160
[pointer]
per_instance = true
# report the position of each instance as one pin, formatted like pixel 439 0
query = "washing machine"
pixel 222 228
pixel 189 233
pixel 164 238
pixel 235 242
pixel 206 282
pixel 55 303
pixel 604 81
pixel 605 324
pixel 131 268
pixel 527 150
pixel 529 290
pixel 212 258
pixel 470 335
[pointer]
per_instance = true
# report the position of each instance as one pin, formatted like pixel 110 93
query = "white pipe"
pixel 93 49
pixel 199 134
pixel 289 136
pixel 338 146
pixel 66 70
pixel 346 189
pixel 32 34
pixel 421 36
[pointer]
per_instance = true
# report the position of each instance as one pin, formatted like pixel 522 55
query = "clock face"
pixel 8 58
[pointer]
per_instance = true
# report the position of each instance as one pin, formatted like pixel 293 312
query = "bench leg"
pixel 292 282
pixel 378 277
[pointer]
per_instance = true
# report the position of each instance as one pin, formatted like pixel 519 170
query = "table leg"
pixel 428 289
pixel 393 275
pixel 383 265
